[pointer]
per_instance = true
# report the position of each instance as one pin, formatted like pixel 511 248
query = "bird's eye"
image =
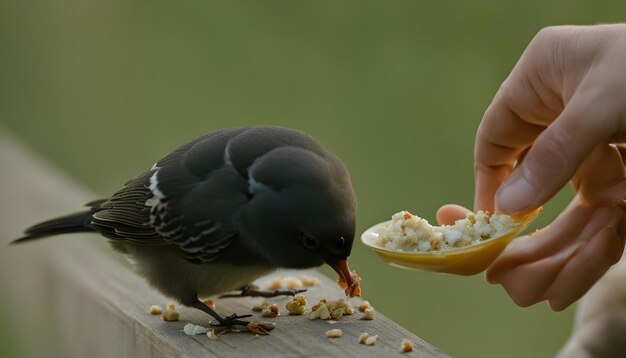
pixel 309 242
pixel 341 242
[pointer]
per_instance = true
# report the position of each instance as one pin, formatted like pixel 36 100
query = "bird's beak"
pixel 343 270
pixel 347 279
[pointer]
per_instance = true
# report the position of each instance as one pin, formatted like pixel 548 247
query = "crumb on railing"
pixel 309 281
pixel 170 314
pixel 334 333
pixel 363 306
pixel 271 311
pixel 319 311
pixel 211 335
pixel 371 340
pixel 260 306
pixel 406 346
pixel 155 310
pixel 292 282
pixel 296 306
pixel 363 337
pixel 331 309
pixel 191 329
pixel 368 313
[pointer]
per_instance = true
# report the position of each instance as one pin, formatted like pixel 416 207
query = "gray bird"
pixel 225 209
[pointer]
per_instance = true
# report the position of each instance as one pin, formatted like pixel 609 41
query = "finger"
pixel 527 102
pixel 530 266
pixel 555 156
pixel 601 178
pixel 560 236
pixel 448 214
pixel 585 266
pixel 502 136
pixel 488 179
pixel 526 282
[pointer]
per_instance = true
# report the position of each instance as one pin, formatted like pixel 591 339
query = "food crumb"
pixel 406 346
pixel 340 304
pixel 260 306
pixel 364 305
pixel 170 314
pixel 363 337
pixel 331 309
pixel 154 310
pixel 270 311
pixel 293 283
pixel 324 313
pixel 211 335
pixel 191 329
pixel 320 311
pixel 290 282
pixel 277 283
pixel 260 328
pixel 334 333
pixel 370 341
pixel 296 306
pixel 336 314
pixel 317 305
pixel 410 233
pixel 309 281
pixel 368 314
pixel 256 336
pixel 355 288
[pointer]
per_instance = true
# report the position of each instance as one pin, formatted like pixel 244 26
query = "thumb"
pixel 555 156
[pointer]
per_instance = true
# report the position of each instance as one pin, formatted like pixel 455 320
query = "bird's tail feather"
pixel 72 223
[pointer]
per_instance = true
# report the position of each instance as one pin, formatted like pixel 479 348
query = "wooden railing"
pixel 71 296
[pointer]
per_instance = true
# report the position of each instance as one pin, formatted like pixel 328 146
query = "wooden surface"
pixel 71 296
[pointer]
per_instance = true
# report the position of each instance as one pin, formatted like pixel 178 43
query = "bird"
pixel 225 209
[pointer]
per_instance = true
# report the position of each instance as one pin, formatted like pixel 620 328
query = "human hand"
pixel 561 109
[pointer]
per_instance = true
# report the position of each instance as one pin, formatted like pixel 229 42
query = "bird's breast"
pixel 176 277
pixel 222 277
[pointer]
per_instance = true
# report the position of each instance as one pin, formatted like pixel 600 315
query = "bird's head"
pixel 302 210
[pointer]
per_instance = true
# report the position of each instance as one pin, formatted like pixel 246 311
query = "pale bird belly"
pixel 219 278
pixel 182 280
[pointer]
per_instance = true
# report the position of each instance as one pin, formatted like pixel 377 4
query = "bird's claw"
pixel 289 292
pixel 227 325
pixel 229 322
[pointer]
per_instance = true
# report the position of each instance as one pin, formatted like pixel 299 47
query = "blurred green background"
pixel 396 88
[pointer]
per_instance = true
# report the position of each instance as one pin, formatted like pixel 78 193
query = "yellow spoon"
pixel 467 261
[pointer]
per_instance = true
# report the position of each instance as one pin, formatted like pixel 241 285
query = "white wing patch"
pixel 154 182
pixel 158 208
pixel 199 243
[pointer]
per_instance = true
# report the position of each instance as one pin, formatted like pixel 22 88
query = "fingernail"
pixel 515 195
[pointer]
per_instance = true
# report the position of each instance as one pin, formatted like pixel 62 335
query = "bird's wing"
pixel 125 215
pixel 188 199
pixel 197 215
